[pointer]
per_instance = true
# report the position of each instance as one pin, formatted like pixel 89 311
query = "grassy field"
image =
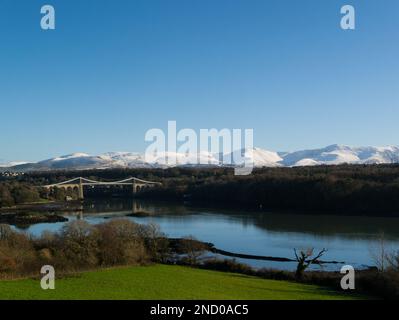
pixel 163 282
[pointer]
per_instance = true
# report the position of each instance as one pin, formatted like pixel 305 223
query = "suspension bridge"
pixel 136 184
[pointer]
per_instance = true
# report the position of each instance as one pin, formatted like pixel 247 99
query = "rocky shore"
pixel 23 219
pixel 64 206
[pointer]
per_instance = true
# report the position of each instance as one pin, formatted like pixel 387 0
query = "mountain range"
pixel 330 155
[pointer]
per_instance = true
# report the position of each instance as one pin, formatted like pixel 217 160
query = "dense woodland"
pixel 14 192
pixel 340 189
pixel 371 189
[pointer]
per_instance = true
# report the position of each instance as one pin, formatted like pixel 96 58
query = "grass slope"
pixel 163 282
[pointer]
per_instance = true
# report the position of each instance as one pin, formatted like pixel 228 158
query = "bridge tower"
pixel 134 186
pixel 80 189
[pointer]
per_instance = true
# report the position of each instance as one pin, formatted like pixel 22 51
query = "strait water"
pixel 350 239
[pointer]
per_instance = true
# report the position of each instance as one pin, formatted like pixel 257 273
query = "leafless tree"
pixel 5 232
pixel 379 253
pixel 393 261
pixel 305 259
pixel 193 248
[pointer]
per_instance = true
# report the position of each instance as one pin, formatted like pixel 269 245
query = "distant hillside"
pixel 331 155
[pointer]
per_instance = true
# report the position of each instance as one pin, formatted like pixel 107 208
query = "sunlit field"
pixel 164 282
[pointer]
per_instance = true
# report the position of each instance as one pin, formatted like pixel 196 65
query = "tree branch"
pixel 318 256
pixel 296 255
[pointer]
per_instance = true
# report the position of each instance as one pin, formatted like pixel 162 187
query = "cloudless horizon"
pixel 114 69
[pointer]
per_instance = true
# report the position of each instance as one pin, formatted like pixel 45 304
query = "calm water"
pixel 349 239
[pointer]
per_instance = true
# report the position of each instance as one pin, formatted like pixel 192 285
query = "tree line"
pixel 371 189
pixel 14 192
pixel 81 246
pixel 363 189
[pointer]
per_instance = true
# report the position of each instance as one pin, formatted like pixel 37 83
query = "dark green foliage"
pixel 6 198
pixel 340 189
pixel 12 192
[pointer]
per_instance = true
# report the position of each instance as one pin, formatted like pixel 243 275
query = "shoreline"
pixel 50 206
pixel 77 205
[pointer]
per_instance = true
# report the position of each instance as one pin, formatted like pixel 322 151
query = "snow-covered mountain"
pixel 259 157
pixel 11 164
pixel 331 155
pixel 337 154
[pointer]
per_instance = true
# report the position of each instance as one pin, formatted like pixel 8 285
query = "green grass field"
pixel 163 282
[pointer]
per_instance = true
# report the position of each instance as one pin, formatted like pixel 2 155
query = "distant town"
pixel 10 174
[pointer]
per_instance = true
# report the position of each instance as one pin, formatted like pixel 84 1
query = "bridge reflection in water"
pixel 106 208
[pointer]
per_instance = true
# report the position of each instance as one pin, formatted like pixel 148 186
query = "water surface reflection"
pixel 350 239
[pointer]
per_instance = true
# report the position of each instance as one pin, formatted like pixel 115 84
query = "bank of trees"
pixel 339 189
pixel 13 192
pixel 81 246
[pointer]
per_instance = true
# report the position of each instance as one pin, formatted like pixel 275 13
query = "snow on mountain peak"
pixel 71 156
pixel 338 154
pixel 12 164
pixel 330 155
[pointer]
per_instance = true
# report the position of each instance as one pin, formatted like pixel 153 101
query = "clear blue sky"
pixel 113 69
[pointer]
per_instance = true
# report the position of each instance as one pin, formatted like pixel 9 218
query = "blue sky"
pixel 114 69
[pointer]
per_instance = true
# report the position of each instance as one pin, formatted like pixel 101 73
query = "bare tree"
pixel 156 242
pixel 305 259
pixel 193 248
pixel 5 232
pixel 379 253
